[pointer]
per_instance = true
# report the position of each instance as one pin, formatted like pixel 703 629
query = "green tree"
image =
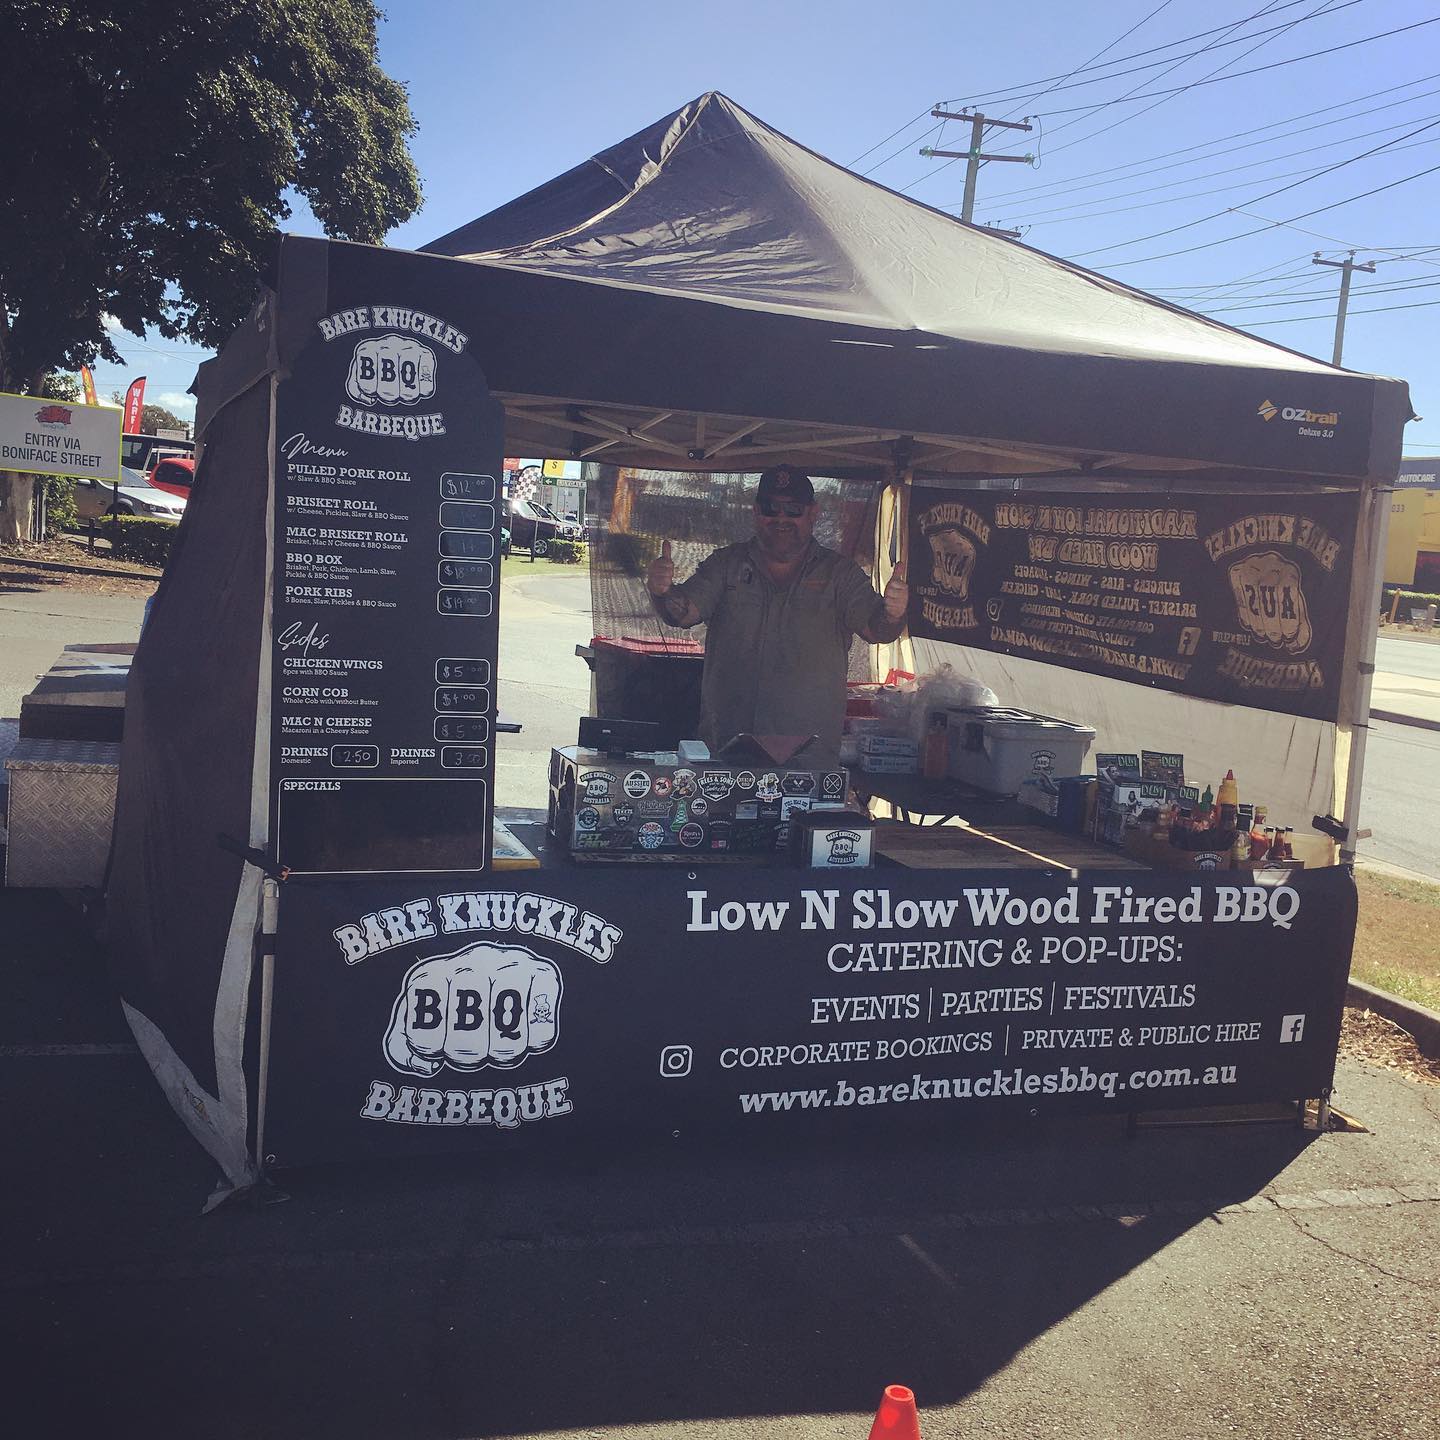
pixel 158 198
pixel 153 418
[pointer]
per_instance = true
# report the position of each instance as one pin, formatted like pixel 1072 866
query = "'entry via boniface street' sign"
pixel 53 437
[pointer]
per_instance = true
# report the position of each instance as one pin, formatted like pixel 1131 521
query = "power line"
pixel 1273 224
pixel 1224 170
pixel 1372 310
pixel 1078 181
pixel 1261 302
pixel 1085 65
pixel 1258 70
pixel 1173 65
pixel 887 140
pixel 1066 218
pixel 1205 79
pixel 1025 90
pixel 1255 200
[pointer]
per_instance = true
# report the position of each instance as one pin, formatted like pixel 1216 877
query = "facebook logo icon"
pixel 1292 1029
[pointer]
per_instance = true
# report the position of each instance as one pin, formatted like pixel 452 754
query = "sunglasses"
pixel 791 509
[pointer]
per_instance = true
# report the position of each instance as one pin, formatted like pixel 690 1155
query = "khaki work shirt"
pixel 776 658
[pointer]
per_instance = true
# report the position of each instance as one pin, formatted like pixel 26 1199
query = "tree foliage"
pixel 149 149
pixel 153 418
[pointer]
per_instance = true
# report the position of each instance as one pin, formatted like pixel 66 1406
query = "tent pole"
pixel 269 911
pixel 1359 719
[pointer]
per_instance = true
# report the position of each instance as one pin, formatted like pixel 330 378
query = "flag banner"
pixel 1238 598
pixel 87 381
pixel 459 1012
pixel 134 406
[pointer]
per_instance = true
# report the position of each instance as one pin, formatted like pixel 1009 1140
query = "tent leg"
pixel 1359 719
pixel 269 908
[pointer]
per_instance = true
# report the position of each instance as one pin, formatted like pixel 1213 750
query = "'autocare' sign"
pixel 554 1006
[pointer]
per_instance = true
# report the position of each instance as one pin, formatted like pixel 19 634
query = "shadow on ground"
pixel 529 1294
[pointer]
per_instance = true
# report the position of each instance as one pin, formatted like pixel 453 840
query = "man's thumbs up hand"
pixel 897 594
pixel 662 572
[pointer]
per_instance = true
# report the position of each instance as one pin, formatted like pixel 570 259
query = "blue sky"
pixel 507 97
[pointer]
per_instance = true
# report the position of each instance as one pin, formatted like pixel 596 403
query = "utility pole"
pixel 1347 267
pixel 973 156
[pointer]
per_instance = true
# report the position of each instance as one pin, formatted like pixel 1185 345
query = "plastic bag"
pixel 943 689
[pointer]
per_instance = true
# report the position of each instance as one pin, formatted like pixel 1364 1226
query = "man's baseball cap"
pixel 785 482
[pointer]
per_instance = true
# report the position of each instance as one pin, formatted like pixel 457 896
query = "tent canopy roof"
pixel 711 295
pixel 712 204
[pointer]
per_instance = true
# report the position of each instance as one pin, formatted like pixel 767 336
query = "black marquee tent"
pixel 707 295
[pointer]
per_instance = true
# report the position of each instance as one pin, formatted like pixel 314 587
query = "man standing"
pixel 781 611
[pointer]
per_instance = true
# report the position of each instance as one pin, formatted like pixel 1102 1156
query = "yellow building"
pixel 1412 550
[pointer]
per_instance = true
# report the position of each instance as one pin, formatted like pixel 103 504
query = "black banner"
pixel 1241 598
pixel 387 554
pixel 551 1006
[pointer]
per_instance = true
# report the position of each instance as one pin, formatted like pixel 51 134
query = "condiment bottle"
pixel 1240 850
pixel 1259 836
pixel 936 759
pixel 1228 799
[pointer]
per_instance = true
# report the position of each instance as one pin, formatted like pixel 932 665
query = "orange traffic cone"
pixel 896 1418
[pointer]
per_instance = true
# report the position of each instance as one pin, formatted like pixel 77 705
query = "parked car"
pixel 174 474
pixel 135 495
pixel 565 529
pixel 531 527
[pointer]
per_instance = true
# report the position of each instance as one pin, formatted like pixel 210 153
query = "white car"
pixel 135 495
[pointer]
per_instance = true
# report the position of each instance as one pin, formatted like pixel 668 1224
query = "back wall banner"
pixel 443 1012
pixel 1240 598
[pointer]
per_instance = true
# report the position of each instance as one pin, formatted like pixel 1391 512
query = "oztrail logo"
pixel 1268 410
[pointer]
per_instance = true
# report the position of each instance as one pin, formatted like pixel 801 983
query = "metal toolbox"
pixel 60 812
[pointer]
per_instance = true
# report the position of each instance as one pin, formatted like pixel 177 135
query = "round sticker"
pixel 662 785
pixel 699 805
pixel 637 783
pixel 651 835
pixel 622 814
pixel 692 835
pixel 588 818
pixel 746 779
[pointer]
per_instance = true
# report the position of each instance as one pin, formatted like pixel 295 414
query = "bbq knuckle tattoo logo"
pixel 489 1006
pixel 486 1005
pixel 392 372
pixel 1270 601
pixel 955 534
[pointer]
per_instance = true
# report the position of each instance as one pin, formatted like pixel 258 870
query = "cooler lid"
pixel 1008 723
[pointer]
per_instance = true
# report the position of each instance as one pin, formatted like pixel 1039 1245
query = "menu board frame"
pixel 384 619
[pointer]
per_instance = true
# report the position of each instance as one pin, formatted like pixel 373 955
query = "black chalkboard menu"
pixel 1241 598
pixel 385 616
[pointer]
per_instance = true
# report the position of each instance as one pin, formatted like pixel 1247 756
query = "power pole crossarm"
pixel 974 155
pixel 1347 268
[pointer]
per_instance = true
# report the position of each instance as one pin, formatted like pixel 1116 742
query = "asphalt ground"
pixel 1047 1279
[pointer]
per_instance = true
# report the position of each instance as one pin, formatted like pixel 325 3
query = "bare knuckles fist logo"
pixel 485 1005
pixel 952 560
pixel 1271 602
pixel 391 370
